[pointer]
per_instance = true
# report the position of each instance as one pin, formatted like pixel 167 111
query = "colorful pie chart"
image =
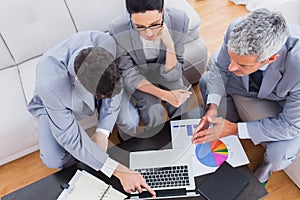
pixel 211 154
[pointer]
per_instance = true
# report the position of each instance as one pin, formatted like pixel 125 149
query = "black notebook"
pixel 225 183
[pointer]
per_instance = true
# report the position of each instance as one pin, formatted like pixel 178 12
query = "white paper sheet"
pixel 84 185
pixel 206 158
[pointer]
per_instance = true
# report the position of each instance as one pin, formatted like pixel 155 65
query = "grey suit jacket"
pixel 281 83
pixel 130 48
pixel 65 101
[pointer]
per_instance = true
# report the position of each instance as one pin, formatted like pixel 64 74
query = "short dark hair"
pixel 109 84
pixel 141 6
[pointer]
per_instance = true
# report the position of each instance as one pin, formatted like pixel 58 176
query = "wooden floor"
pixel 215 16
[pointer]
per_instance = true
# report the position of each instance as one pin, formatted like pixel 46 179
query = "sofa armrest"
pixel 293 171
pixel 195 60
pixel 194 23
pixel 95 14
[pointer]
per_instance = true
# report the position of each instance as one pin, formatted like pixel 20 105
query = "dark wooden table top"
pixel 50 187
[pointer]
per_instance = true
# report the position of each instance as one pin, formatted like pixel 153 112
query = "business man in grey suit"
pixel 150 41
pixel 68 77
pixel 256 77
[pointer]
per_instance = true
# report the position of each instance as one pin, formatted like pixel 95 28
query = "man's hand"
pixel 211 113
pixel 132 181
pixel 176 97
pixel 101 140
pixel 221 128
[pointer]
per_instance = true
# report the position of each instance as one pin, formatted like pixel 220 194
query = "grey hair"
pixel 261 33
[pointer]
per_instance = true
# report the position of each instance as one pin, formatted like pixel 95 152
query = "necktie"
pixel 255 80
pixel 98 103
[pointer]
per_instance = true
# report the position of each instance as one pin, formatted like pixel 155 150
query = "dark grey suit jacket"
pixel 130 48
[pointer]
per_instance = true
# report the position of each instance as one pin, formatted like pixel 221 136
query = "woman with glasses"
pixel 150 40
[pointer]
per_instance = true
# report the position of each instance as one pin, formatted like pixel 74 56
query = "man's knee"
pixel 155 115
pixel 55 161
pixel 280 157
pixel 129 124
pixel 250 108
pixel 203 88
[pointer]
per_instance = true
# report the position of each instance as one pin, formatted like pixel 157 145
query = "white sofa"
pixel 30 27
pixel 290 10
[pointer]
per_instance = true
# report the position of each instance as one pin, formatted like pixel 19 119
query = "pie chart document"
pixel 207 157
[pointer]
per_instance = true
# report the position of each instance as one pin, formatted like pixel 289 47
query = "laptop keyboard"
pixel 166 177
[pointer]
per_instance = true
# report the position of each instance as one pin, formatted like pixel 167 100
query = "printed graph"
pixel 189 128
pixel 211 154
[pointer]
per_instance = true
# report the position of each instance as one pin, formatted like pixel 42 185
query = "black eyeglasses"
pixel 143 28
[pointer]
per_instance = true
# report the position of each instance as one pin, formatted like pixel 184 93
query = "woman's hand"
pixel 176 97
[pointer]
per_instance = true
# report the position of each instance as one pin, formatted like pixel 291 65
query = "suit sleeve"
pixel 179 34
pixel 284 126
pixel 130 72
pixel 109 111
pixel 67 130
pixel 217 75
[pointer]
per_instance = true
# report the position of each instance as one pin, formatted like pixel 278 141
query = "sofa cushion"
pixel 189 10
pixel 27 76
pixel 194 23
pixel 290 10
pixel 293 171
pixel 95 14
pixel 16 125
pixel 32 26
pixel 6 59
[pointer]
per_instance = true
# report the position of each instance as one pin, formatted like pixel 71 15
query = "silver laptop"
pixel 168 169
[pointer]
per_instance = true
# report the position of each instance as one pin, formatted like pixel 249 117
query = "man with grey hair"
pixel 252 89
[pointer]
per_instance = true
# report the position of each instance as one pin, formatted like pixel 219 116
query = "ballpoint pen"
pixel 189 87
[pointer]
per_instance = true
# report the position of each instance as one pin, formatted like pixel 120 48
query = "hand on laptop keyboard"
pixel 167 177
pixel 132 181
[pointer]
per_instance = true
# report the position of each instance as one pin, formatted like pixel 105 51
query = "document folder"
pixel 225 183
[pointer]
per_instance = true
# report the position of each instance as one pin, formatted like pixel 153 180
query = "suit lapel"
pixel 270 80
pixel 137 48
pixel 162 51
pixel 272 75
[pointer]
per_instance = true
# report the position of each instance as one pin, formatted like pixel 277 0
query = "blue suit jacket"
pixel 281 83
pixel 65 101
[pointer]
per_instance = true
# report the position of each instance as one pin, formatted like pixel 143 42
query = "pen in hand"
pixel 189 87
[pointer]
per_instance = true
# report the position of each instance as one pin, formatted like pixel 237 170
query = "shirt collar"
pixel 264 67
pixel 71 68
